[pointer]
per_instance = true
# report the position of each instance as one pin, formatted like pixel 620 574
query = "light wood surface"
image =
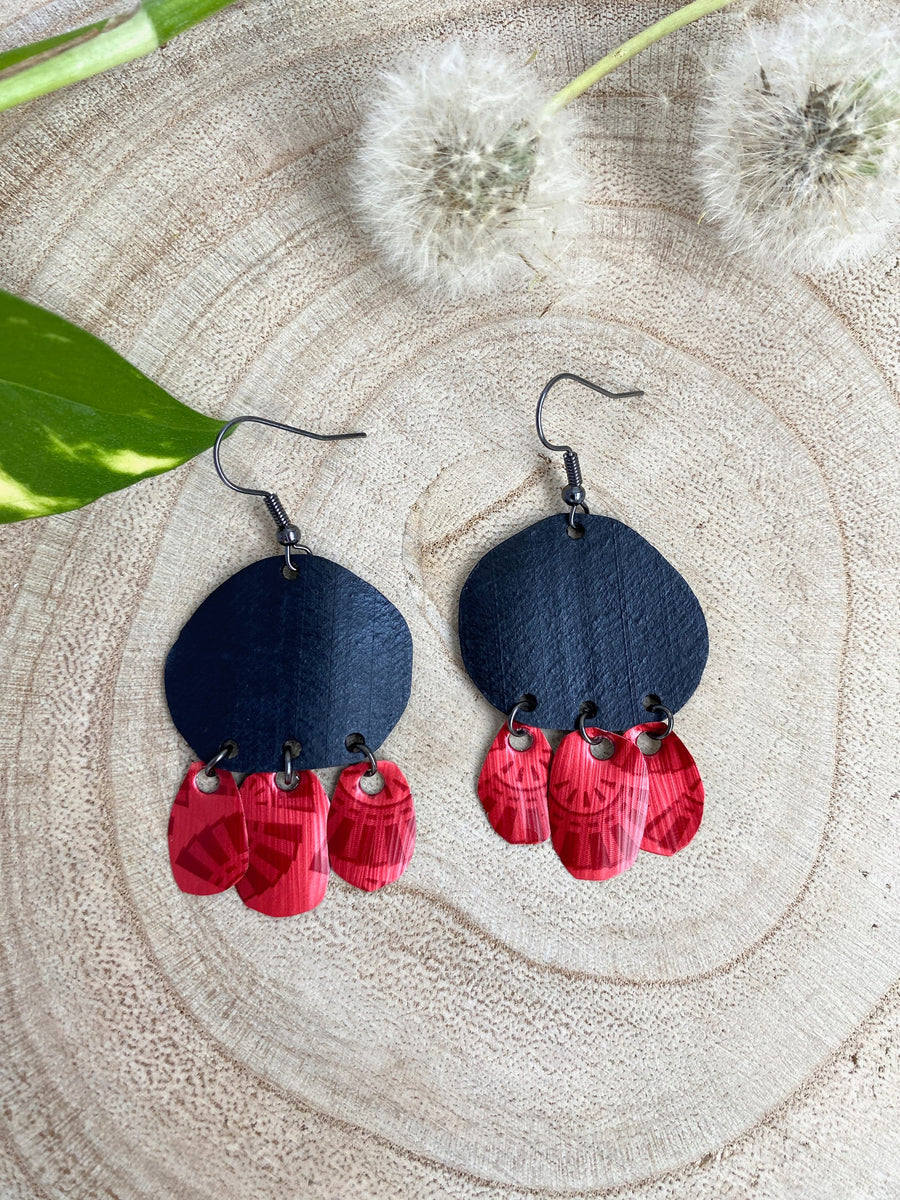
pixel 720 1024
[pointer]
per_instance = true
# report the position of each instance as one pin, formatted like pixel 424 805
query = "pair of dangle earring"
pixel 575 623
pixel 578 623
pixel 292 663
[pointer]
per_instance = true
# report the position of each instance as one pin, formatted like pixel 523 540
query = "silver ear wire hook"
pixel 288 533
pixel 573 493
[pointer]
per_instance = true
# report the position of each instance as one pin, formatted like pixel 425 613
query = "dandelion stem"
pixel 53 63
pixel 675 20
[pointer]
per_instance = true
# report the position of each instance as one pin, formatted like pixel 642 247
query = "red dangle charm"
pixel 207 835
pixel 512 785
pixel 598 803
pixel 675 808
pixel 371 834
pixel 288 871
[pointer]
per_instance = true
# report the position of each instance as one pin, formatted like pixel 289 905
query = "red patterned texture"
pixel 371 838
pixel 288 871
pixel 676 793
pixel 512 787
pixel 207 835
pixel 597 806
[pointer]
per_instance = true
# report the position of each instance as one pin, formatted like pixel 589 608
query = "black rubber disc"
pixel 266 659
pixel 603 618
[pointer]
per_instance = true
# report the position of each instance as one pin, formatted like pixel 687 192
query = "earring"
pixel 292 663
pixel 579 623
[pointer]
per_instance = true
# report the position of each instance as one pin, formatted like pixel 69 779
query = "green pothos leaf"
pixel 77 420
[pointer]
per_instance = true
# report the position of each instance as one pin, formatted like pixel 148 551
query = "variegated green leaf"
pixel 77 420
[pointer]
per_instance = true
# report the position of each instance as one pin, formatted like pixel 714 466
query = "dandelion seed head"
pixel 463 182
pixel 799 141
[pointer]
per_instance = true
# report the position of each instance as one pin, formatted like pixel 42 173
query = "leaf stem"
pixel 171 17
pixel 10 58
pixel 675 20
pixel 54 63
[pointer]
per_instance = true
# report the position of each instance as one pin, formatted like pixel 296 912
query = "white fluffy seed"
pixel 450 182
pixel 799 141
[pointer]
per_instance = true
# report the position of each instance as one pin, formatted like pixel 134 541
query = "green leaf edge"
pixel 205 428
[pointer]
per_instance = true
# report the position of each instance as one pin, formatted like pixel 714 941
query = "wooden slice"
pixel 722 1023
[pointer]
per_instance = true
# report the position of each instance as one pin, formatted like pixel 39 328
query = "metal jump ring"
pixel 228 749
pixel 591 741
pixel 359 747
pixel 669 719
pixel 288 770
pixel 514 712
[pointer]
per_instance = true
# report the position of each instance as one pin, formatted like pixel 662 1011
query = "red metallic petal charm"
pixel 288 871
pixel 676 792
pixel 512 787
pixel 371 838
pixel 597 806
pixel 207 835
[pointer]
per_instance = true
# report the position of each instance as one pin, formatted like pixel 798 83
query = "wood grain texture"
pixel 721 1023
